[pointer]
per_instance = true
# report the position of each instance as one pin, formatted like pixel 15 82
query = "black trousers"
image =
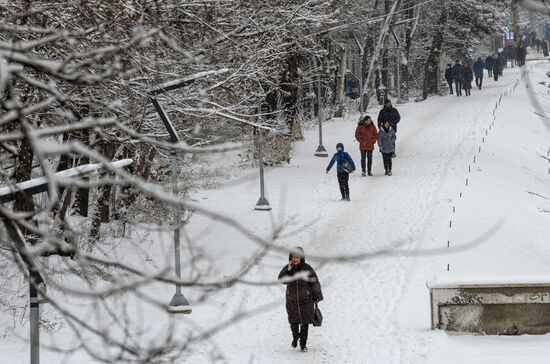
pixel 450 86
pixel 368 164
pixel 479 81
pixel 387 161
pixel 343 179
pixel 458 86
pixel 300 332
pixel 495 76
pixel 490 72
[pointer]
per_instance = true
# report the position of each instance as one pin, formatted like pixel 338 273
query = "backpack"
pixel 346 166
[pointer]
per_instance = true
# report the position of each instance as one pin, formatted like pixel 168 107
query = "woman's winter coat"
pixel 468 76
pixel 366 135
pixel 301 294
pixel 338 158
pixel 386 140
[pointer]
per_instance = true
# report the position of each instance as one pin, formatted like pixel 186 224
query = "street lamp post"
pixel 321 151
pixel 30 188
pixel 262 204
pixel 178 303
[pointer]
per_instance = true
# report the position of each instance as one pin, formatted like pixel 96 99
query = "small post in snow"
pixel 321 151
pixel 262 204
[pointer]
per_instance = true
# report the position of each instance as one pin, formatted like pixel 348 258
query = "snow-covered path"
pixel 376 311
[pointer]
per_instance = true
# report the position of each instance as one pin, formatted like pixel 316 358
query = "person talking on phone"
pixel 303 290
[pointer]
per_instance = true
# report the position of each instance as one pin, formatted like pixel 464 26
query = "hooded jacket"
pixel 386 140
pixel 301 293
pixel 338 158
pixel 479 66
pixel 366 135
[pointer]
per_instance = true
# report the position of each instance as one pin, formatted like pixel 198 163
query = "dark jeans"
pixel 387 161
pixel 479 81
pixel 343 179
pixel 300 332
pixel 368 154
pixel 458 86
pixel 450 82
pixel 490 72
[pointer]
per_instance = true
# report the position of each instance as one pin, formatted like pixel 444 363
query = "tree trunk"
pixel 381 46
pixel 83 194
pixel 23 170
pixel 431 68
pixel 340 82
pixel 105 191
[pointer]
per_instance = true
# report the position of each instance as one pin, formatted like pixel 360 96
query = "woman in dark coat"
pixel 302 292
pixel 468 78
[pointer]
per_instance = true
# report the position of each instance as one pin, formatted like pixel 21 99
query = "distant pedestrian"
pixel 489 65
pixel 344 166
pixel 389 113
pixel 449 77
pixel 386 144
pixel 468 78
pixel 458 77
pixel 544 46
pixel 479 66
pixel 366 134
pixel 303 292
pixel 497 70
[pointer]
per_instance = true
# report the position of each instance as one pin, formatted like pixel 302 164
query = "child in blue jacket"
pixel 344 166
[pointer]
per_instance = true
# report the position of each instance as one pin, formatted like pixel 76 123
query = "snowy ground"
pixel 377 311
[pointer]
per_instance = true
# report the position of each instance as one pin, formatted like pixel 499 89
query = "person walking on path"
pixel 458 77
pixel 497 69
pixel 449 77
pixel 479 66
pixel 468 78
pixel 386 144
pixel 489 65
pixel 389 113
pixel 303 291
pixel 366 134
pixel 344 166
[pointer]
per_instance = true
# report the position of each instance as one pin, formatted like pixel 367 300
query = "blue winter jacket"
pixel 338 158
pixel 479 66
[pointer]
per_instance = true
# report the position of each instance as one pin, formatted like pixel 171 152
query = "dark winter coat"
pixel 391 114
pixel 479 66
pixel 366 135
pixel 458 73
pixel 449 74
pixel 386 140
pixel 497 67
pixel 544 46
pixel 489 62
pixel 338 158
pixel 301 294
pixel 468 77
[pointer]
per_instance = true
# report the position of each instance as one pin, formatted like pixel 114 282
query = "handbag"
pixel 317 316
